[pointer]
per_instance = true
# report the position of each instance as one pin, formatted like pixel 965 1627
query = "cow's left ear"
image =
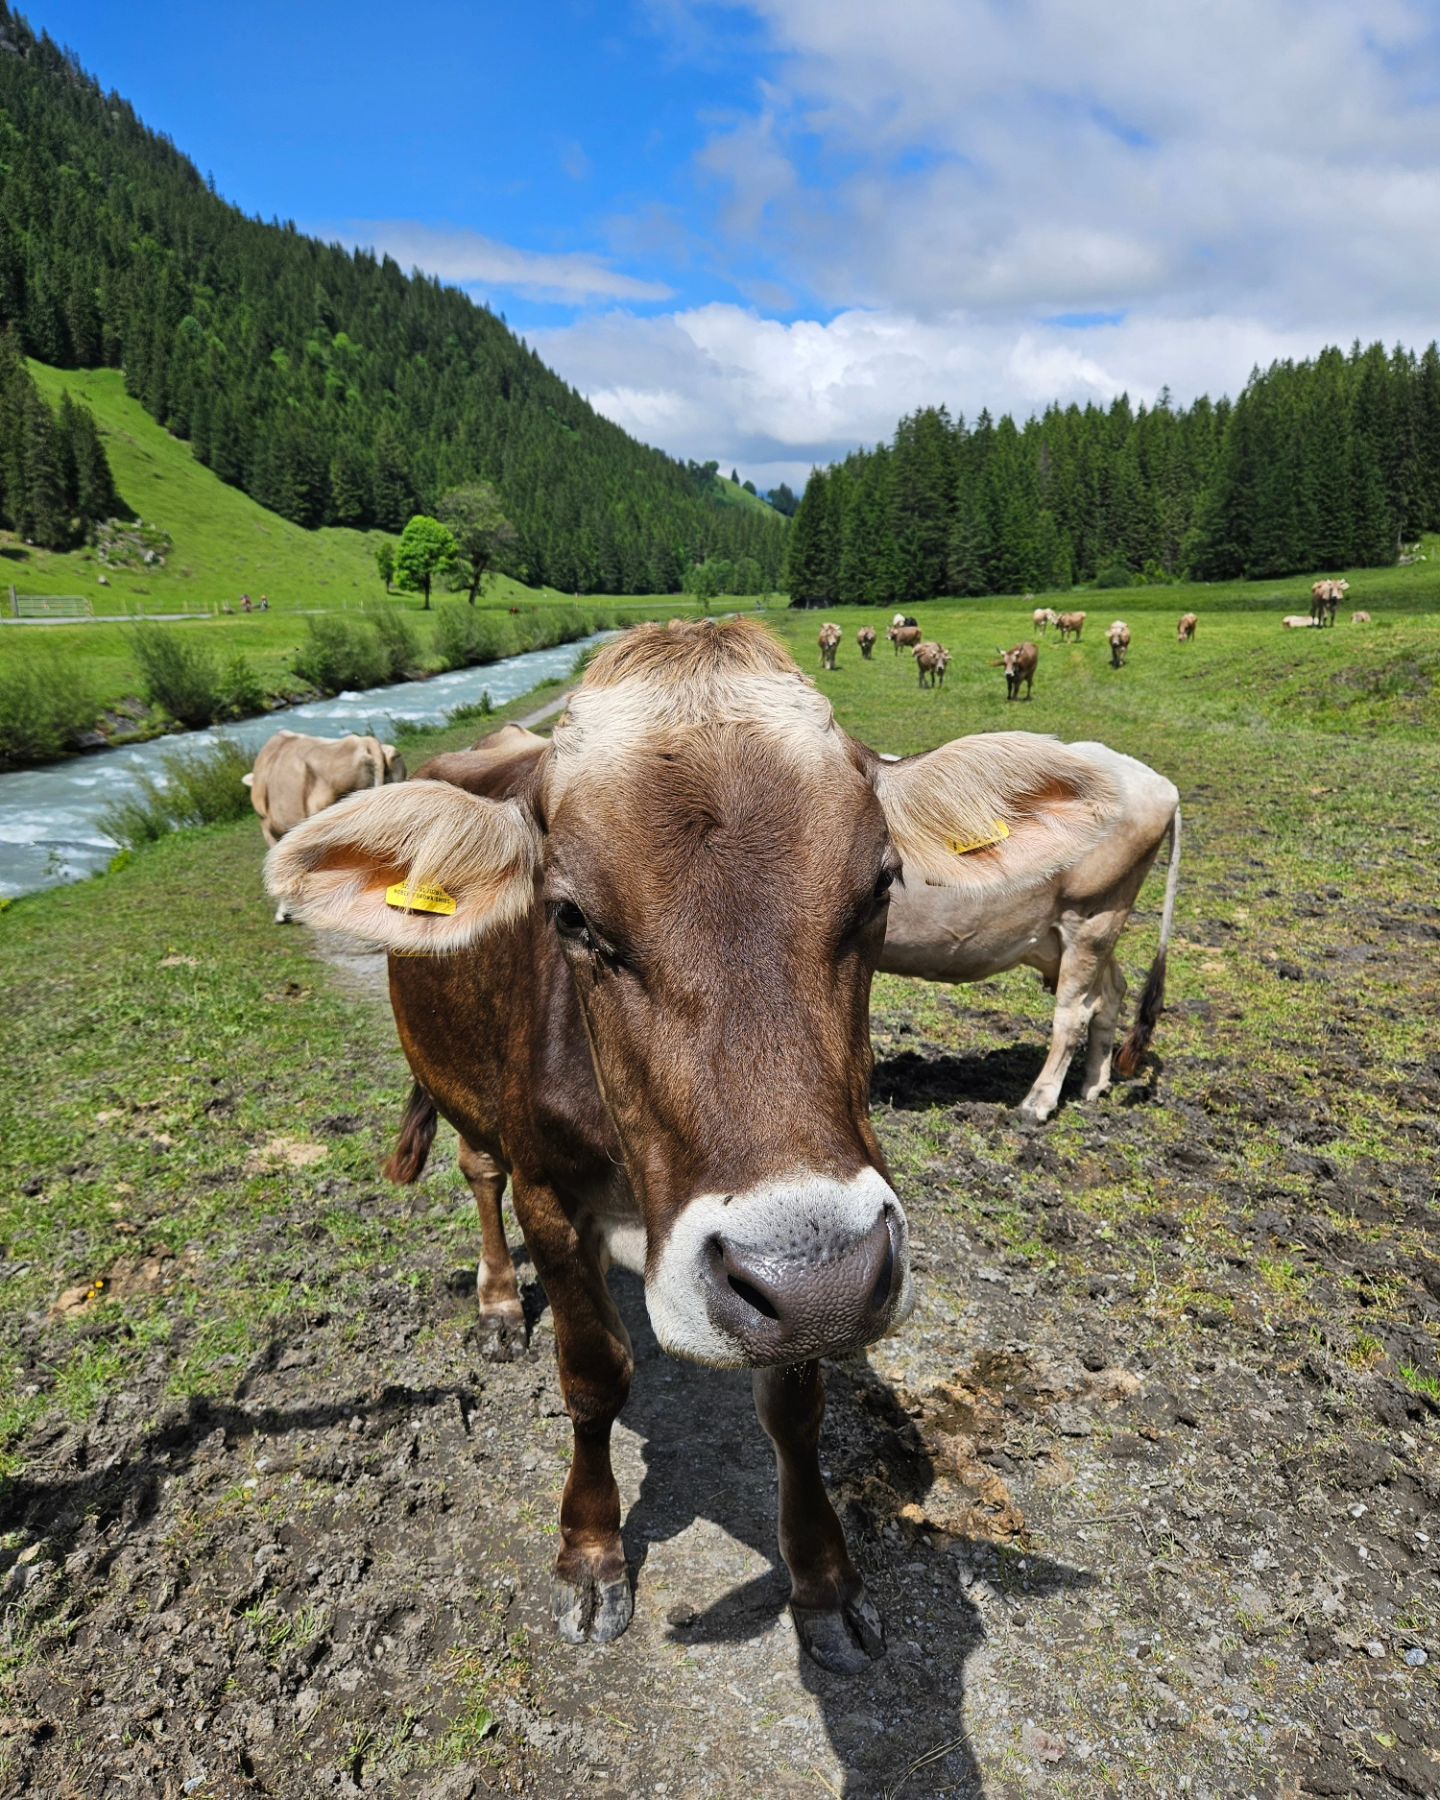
pixel 394 763
pixel 1003 810
pixel 418 866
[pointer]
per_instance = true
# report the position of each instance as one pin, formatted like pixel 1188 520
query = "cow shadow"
pixel 910 1081
pixel 707 1462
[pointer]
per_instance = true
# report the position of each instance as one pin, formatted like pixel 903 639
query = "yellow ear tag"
pixel 429 897
pixel 961 848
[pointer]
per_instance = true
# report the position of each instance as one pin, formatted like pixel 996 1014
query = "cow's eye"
pixel 571 923
pixel 884 881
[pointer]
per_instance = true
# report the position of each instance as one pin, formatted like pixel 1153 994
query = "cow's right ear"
pixel 418 866
pixel 249 780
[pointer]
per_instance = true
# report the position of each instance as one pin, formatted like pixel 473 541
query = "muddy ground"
pixel 1147 1512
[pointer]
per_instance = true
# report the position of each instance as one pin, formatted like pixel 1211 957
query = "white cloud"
pixel 470 260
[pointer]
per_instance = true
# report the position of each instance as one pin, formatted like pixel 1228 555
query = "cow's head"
pixel 711 855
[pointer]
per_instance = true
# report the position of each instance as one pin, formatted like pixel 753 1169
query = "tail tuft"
pixel 1152 1004
pixel 417 1133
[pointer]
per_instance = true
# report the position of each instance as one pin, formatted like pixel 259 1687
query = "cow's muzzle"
pixel 780 1274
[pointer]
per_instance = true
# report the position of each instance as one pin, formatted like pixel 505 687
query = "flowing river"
pixel 50 828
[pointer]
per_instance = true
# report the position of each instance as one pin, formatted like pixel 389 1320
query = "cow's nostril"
pixel 880 1293
pixel 752 1296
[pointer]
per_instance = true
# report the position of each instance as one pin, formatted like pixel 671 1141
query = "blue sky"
pixel 761 230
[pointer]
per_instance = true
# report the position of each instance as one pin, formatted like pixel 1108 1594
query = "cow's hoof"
pixel 845 1639
pixel 589 1611
pixel 503 1337
pixel 1028 1115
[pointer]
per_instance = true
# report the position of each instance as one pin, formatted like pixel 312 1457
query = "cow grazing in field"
pixel 1043 618
pixel 1325 598
pixel 567 924
pixel 903 637
pixel 1186 629
pixel 932 660
pixel 830 636
pixel 1118 638
pixel 904 619
pixel 1070 624
pixel 865 638
pixel 1019 665
pixel 1360 618
pixel 296 777
pixel 1064 918
pixel 1298 622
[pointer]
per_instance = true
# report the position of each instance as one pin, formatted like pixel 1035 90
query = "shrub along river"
pixel 50 829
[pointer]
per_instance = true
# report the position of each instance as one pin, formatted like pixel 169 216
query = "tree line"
pixel 328 384
pixel 1332 462
pixel 55 480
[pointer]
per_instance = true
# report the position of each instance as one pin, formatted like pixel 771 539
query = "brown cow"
pixel 932 660
pixel 1070 624
pixel 903 637
pixel 1019 665
pixel 1118 638
pixel 569 924
pixel 1043 618
pixel 1325 598
pixel 1186 629
pixel 830 636
pixel 865 638
pixel 1065 923
pixel 295 777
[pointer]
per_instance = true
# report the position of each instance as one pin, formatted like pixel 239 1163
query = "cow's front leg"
pixel 502 1317
pixel 591 1599
pixel 834 1618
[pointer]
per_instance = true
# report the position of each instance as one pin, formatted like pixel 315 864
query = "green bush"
pixel 1115 575
pixel 342 653
pixel 469 710
pixel 197 787
pixel 399 640
pixel 179 673
pixel 242 692
pixel 44 707
pixel 466 636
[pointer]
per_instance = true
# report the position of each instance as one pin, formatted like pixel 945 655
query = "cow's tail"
pixel 417 1133
pixel 1152 998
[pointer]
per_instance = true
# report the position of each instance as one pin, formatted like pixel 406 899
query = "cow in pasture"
pixel 1070 624
pixel 1325 598
pixel 1360 618
pixel 1186 630
pixel 904 619
pixel 1043 618
pixel 903 637
pixel 1063 919
pixel 1118 638
pixel 566 925
pixel 1298 622
pixel 933 660
pixel 830 636
pixel 865 638
pixel 295 777
pixel 1019 665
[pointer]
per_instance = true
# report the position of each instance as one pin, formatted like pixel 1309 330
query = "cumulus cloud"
pixel 470 260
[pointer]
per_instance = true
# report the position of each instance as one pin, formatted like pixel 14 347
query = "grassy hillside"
pixel 224 544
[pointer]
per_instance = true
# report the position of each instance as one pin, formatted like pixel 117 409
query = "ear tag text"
pixel 963 847
pixel 428 897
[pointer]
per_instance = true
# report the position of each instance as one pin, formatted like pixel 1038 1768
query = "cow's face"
pixel 715 871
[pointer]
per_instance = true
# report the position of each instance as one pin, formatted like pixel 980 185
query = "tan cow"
pixel 1325 598
pixel 1043 618
pixel 1186 629
pixel 295 777
pixel 1298 622
pixel 933 660
pixel 1063 918
pixel 865 638
pixel 903 637
pixel 1118 638
pixel 1360 618
pixel 1019 665
pixel 1070 624
pixel 830 636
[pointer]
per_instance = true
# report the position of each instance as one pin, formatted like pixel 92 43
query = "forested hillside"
pixel 332 387
pixel 55 480
pixel 1325 464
